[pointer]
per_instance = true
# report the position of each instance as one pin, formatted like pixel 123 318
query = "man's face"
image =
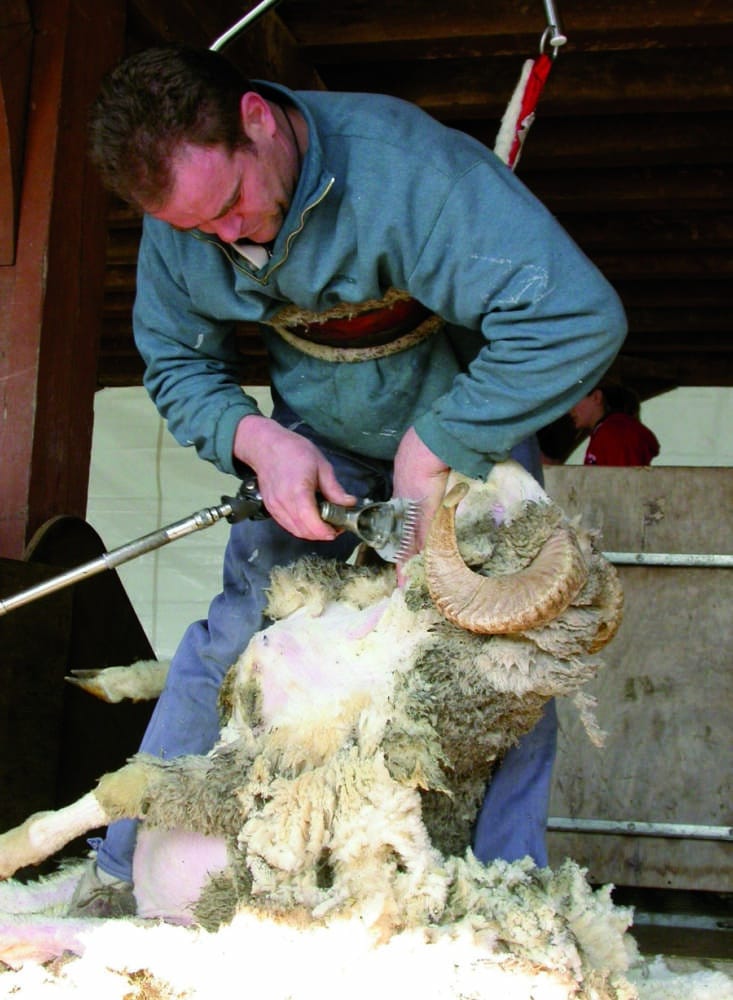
pixel 237 195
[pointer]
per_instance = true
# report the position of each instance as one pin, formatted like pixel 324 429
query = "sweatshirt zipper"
pixel 288 243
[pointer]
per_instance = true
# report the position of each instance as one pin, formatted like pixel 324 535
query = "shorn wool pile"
pixel 320 847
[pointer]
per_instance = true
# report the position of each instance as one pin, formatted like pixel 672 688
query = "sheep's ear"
pixel 512 602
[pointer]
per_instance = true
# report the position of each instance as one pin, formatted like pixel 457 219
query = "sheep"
pixel 360 728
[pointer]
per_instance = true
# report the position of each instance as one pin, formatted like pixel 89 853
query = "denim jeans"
pixel 185 719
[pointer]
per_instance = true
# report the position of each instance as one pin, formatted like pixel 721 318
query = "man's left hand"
pixel 419 475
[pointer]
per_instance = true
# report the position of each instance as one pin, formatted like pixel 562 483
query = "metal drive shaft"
pixel 131 550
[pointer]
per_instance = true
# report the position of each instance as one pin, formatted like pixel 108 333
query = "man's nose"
pixel 228 228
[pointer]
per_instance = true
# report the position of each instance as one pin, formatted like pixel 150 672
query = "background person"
pixel 610 413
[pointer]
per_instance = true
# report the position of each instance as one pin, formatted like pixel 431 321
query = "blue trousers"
pixel 185 719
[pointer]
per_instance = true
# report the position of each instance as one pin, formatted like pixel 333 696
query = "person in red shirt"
pixel 617 437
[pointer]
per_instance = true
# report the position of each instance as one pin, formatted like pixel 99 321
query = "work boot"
pixel 101 895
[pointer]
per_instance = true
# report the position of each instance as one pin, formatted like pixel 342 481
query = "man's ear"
pixel 598 398
pixel 258 120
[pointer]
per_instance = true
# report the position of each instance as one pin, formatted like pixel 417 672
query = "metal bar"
pixel 553 34
pixel 669 559
pixel 131 550
pixel 243 23
pixel 680 921
pixel 631 828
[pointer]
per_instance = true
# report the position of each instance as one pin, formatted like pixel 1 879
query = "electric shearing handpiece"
pixel 387 527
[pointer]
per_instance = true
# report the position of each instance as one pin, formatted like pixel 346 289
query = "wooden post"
pixel 16 36
pixel 51 292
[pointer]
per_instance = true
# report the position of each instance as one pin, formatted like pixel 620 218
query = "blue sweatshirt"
pixel 387 198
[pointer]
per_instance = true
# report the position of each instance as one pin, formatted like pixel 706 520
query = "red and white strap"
pixel 520 112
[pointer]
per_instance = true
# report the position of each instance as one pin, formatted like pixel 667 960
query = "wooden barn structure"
pixel 632 150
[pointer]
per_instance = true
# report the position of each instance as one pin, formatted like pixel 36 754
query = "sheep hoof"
pixel 92 682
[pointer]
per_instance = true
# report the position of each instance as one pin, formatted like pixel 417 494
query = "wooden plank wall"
pixel 666 693
pixel 51 287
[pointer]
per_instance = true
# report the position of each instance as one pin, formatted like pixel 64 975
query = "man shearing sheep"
pixel 421 311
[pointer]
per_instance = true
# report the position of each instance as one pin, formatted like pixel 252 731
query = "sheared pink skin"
pixel 170 868
pixel 40 940
pixel 295 661
pixel 27 937
pixel 367 621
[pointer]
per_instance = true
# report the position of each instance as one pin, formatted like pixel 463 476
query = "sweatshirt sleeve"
pixel 498 264
pixel 192 362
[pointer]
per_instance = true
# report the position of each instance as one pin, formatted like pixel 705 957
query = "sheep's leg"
pixel 118 795
pixel 142 681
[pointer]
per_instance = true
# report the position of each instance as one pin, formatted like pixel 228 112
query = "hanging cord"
pixel 520 112
pixel 243 23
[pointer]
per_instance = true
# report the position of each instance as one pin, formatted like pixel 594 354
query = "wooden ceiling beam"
pixel 120 278
pixel 505 24
pixel 118 304
pixel 122 247
pixel 180 21
pixel 682 293
pixel 689 369
pixel 582 84
pixel 684 189
pixel 661 139
pixel 649 230
pixel 677 323
pixel 718 267
pixel 265 49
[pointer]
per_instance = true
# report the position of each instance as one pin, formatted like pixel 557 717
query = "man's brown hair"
pixel 150 105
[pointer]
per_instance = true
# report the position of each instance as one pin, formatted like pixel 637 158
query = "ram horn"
pixel 512 602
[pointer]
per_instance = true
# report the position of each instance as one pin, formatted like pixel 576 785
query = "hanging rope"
pixel 244 22
pixel 520 112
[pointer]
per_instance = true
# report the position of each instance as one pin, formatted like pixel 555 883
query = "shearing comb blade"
pixel 387 527
pixel 410 518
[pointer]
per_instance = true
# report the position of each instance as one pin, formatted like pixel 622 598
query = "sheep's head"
pixel 514 563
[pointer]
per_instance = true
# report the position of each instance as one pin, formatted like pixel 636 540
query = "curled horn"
pixel 512 602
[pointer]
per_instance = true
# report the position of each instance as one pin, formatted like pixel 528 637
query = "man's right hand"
pixel 290 470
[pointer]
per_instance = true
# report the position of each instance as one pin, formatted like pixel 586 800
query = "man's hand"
pixel 290 471
pixel 419 475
